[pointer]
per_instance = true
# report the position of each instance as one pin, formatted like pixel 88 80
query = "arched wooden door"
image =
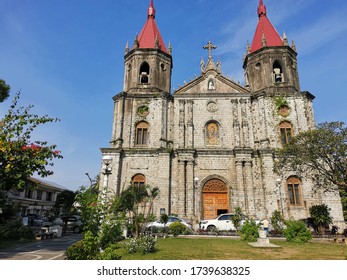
pixel 215 199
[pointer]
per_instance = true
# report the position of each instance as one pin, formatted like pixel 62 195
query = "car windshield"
pixel 225 217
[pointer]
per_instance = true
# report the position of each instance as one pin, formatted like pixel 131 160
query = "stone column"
pixel 240 197
pixel 180 191
pixel 249 190
pixel 236 123
pixel 181 125
pixel 190 132
pixel 190 189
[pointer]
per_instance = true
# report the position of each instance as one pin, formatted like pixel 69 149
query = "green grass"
pixel 235 249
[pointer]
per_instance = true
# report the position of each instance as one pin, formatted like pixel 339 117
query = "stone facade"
pixel 210 146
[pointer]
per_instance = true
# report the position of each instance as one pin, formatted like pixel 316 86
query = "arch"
pixel 144 73
pixel 141 134
pixel 212 133
pixel 286 131
pixel 138 180
pixel 215 198
pixel 294 190
pixel 277 72
pixel 211 84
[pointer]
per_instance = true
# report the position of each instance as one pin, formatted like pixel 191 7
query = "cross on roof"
pixel 209 47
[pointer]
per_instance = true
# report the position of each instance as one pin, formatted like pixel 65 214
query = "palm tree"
pixel 320 215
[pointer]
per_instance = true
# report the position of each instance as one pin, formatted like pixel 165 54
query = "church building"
pixel 210 145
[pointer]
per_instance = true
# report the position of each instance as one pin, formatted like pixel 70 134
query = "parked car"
pixel 171 219
pixel 73 223
pixel 222 222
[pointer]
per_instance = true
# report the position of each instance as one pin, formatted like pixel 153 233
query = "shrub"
pixel 277 222
pixel 145 245
pixel 249 231
pixel 297 231
pixel 85 249
pixel 177 228
pixel 110 253
pixel 15 230
pixel 320 215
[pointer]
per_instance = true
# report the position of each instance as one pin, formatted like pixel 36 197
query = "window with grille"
pixel 294 191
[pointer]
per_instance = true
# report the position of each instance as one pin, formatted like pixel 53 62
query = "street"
pixel 49 249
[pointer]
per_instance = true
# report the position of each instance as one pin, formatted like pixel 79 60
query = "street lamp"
pixel 107 160
pixel 196 181
pixel 278 183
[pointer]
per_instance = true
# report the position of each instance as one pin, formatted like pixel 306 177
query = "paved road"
pixel 49 249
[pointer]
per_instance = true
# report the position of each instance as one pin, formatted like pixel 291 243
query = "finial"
pixel 202 65
pixel 248 47
pixel 293 46
pixel 170 48
pixel 156 42
pixel 151 10
pixel 126 47
pixel 263 40
pixel 219 64
pixel 261 9
pixel 136 41
pixel 285 39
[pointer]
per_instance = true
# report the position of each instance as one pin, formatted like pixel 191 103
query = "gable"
pixel 211 83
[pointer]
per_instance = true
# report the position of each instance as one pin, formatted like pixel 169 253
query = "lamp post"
pixel 278 183
pixel 107 160
pixel 196 181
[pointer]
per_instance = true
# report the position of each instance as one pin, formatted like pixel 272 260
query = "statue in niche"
pixel 212 134
pixel 211 84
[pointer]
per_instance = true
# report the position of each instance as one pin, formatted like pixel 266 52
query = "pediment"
pixel 212 82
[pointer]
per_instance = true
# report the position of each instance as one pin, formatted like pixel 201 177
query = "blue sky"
pixel 66 58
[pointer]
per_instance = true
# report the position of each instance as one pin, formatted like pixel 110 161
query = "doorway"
pixel 215 199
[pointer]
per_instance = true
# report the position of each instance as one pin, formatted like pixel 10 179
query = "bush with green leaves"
pixel 177 228
pixel 85 249
pixel 277 222
pixel 144 245
pixel 15 230
pixel 249 231
pixel 296 231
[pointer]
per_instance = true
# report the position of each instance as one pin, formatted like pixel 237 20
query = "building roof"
pixel 265 33
pixel 48 184
pixel 150 35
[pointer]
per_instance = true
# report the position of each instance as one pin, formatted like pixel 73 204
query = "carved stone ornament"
pixel 284 111
pixel 212 106
pixel 215 185
pixel 142 110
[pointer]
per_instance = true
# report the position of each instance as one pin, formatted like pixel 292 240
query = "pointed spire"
pixel 265 30
pixel 261 9
pixel 293 46
pixel 151 10
pixel 285 39
pixel 150 37
pixel 127 47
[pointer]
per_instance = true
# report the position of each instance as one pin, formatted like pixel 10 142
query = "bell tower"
pixel 270 64
pixel 148 64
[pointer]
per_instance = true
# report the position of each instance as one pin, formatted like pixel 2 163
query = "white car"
pixel 171 219
pixel 222 222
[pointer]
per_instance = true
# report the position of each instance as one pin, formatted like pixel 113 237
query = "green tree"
pixel 4 91
pixel 237 218
pixel 320 215
pixel 20 156
pixel 321 152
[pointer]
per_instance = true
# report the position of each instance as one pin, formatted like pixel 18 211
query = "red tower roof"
pixel 150 36
pixel 265 32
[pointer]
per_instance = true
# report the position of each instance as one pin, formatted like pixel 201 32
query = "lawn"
pixel 234 249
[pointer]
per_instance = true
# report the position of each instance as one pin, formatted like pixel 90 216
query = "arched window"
pixel 138 180
pixel 277 72
pixel 294 191
pixel 212 133
pixel 144 73
pixel 211 85
pixel 286 132
pixel 141 137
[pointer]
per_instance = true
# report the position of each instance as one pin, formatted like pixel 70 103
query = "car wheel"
pixel 211 228
pixel 76 229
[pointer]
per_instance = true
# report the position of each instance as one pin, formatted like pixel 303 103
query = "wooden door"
pixel 215 198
